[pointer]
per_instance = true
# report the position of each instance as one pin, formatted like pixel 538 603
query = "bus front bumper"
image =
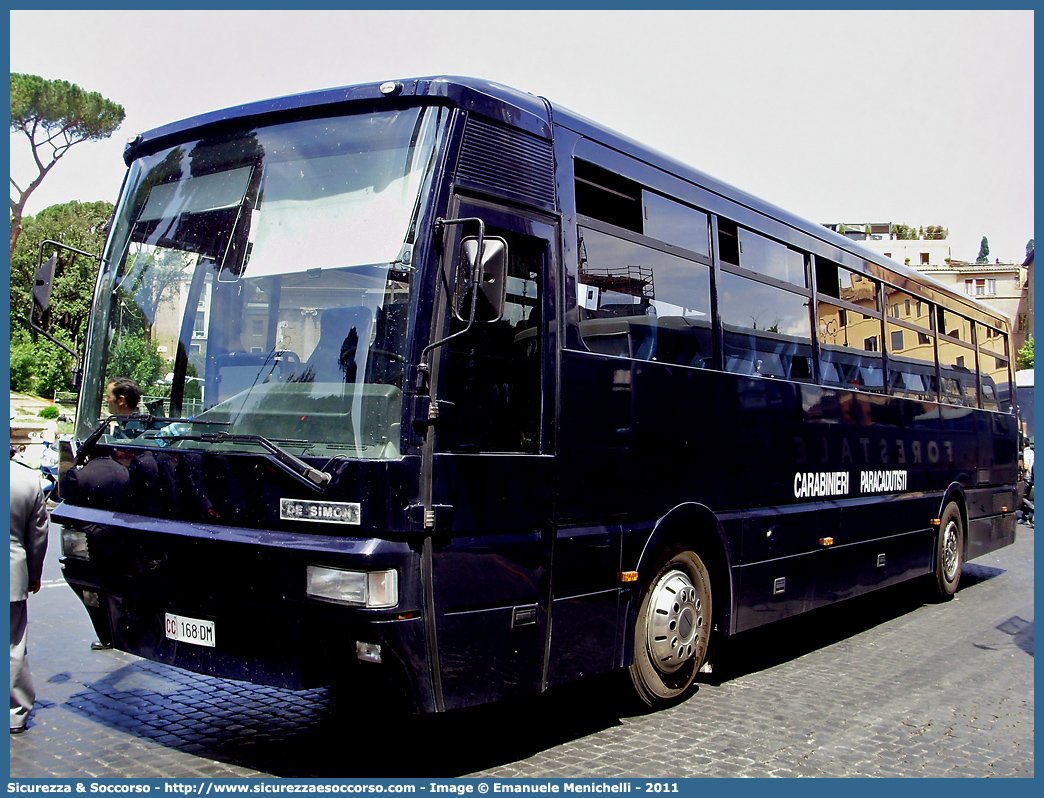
pixel 227 604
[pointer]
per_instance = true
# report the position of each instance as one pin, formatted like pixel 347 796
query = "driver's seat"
pixel 344 335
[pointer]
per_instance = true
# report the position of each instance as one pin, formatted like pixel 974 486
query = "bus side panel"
pixel 586 636
pixel 774 589
pixel 990 524
pixel 490 575
pixel 858 568
pixel 640 438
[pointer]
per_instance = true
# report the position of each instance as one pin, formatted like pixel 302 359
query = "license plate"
pixel 189 630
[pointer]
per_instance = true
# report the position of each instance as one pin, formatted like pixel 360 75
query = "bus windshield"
pixel 258 282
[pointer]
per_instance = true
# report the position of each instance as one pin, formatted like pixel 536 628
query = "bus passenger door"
pixel 492 469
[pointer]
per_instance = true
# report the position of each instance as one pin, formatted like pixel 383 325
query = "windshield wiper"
pixel 147 418
pixel 294 466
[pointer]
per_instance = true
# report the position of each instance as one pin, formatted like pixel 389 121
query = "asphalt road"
pixel 884 685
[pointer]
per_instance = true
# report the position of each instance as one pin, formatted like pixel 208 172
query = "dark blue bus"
pixel 452 395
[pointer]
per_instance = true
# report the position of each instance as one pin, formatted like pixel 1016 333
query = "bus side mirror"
pixel 484 278
pixel 42 284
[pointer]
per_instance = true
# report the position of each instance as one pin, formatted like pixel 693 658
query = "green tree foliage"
pixel 82 225
pixel 135 356
pixel 54 115
pixel 39 367
pixel 933 232
pixel 150 280
pixel 984 251
pixel 1024 358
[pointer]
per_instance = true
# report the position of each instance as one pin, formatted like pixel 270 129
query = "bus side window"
pixel 850 353
pixel 493 379
pixel 989 394
pixel 641 302
pixel 766 329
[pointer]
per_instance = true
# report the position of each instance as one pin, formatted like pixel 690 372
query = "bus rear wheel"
pixel 672 629
pixel 949 552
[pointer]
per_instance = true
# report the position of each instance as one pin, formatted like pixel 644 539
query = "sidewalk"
pixel 28 404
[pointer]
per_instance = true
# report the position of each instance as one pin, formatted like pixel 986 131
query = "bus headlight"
pixel 372 589
pixel 74 543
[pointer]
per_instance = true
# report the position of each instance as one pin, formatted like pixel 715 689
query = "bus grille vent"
pixel 508 161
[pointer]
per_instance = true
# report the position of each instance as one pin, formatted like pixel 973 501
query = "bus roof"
pixel 489 99
pixel 534 114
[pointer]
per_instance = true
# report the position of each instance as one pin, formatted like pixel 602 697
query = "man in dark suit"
pixel 29 525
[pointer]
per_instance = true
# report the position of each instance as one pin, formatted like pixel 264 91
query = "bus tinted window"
pixel 907 307
pixel 911 363
pixel 608 197
pixel 770 258
pixel 993 341
pixel 849 349
pixel 993 363
pixel 954 326
pixel 766 329
pixel 639 302
pixel 959 379
pixel 836 281
pixel 676 223
pixel 494 372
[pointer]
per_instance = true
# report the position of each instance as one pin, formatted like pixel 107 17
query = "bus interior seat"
pixel 238 371
pixel 335 357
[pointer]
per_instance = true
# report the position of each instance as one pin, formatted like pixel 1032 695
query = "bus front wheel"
pixel 949 552
pixel 672 629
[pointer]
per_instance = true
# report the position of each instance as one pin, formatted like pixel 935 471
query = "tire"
pixel 949 553
pixel 672 629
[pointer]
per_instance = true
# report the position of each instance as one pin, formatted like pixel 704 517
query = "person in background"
pixel 122 396
pixel 1027 499
pixel 29 527
pixel 1026 488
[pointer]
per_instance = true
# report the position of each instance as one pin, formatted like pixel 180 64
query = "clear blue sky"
pixel 918 117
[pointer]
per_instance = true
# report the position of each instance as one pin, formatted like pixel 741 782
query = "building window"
pixel 980 287
pixel 924 258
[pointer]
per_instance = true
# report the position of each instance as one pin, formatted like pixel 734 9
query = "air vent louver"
pixel 508 161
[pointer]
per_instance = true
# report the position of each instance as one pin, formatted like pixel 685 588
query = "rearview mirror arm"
pixel 440 227
pixel 44 282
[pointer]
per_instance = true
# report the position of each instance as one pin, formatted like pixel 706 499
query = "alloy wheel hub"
pixel 675 622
